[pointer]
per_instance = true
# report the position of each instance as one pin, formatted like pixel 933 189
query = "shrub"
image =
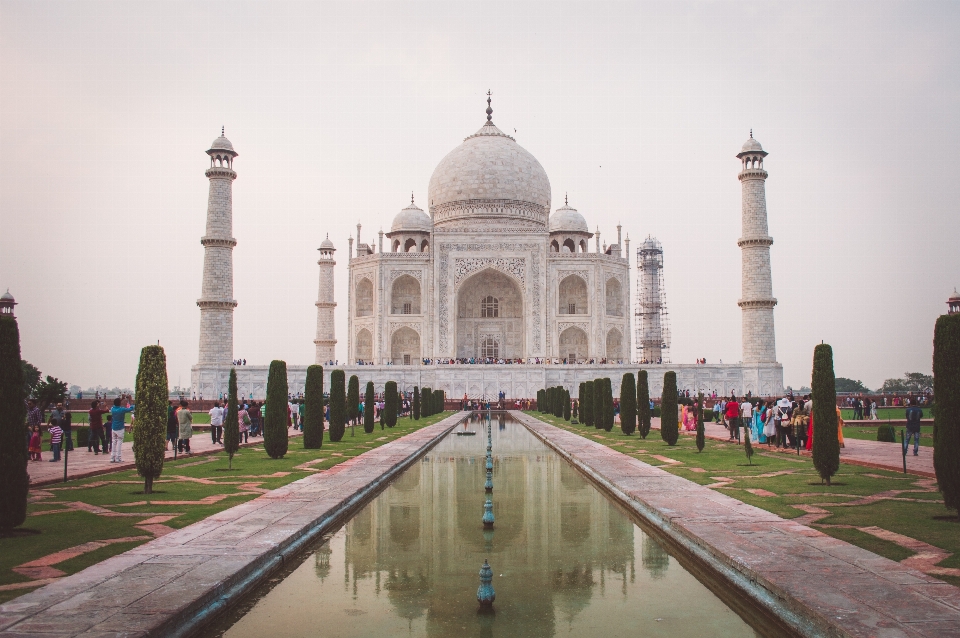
pixel 586 404
pixel 700 433
pixel 390 404
pixel 14 480
pixel 643 404
pixel 424 403
pixel 275 425
pixel 628 404
pixel 353 399
pixel 946 418
pixel 415 410
pixel 887 434
pixel 150 435
pixel 669 426
pixel 826 444
pixel 368 399
pixel 566 405
pixel 313 408
pixel 231 422
pixel 338 407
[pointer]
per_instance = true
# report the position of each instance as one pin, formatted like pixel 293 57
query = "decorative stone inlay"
pixel 218 241
pixel 513 266
pixel 755 241
pixel 563 274
pixel 510 209
pixel 757 303
pixel 416 274
pixel 415 326
pixel 610 274
pixel 563 325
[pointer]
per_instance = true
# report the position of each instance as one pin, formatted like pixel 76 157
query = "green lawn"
pixel 67 526
pixel 869 433
pixel 886 413
pixel 922 517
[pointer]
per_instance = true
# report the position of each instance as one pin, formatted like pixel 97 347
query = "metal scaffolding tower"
pixel 653 329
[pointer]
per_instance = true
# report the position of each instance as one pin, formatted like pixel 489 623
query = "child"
pixel 35 444
pixel 56 436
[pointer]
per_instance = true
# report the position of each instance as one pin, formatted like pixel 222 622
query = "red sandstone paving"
pixel 856 591
pixel 137 592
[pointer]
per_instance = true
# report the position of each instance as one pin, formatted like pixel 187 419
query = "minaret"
pixel 757 302
pixel 216 300
pixel 326 340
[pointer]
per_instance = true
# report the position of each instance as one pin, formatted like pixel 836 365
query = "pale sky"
pixel 340 110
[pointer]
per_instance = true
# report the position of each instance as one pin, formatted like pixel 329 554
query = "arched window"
pixel 614 298
pixel 364 298
pixel 365 346
pixel 554 246
pixel 425 246
pixel 569 245
pixel 490 307
pixel 490 348
pixel 410 246
pixel 396 245
pixel 572 296
pixel 405 296
pixel 583 245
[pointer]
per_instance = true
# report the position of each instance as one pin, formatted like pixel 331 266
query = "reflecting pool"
pixel 566 560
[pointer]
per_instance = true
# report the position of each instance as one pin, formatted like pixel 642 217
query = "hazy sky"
pixel 339 110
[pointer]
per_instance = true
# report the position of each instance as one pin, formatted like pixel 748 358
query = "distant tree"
pixel 49 392
pixel 275 431
pixel 313 408
pixel 368 421
pixel 390 404
pixel 586 404
pixel 231 422
pixel 628 404
pixel 14 480
pixel 566 405
pixel 910 382
pixel 946 416
pixel 415 411
pixel 31 377
pixel 849 385
pixel 643 404
pixel 826 444
pixel 669 424
pixel 700 433
pixel 338 408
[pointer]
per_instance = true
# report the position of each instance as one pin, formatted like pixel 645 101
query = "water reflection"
pixel 563 558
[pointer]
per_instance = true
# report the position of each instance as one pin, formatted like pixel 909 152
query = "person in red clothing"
pixel 732 415
pixel 97 436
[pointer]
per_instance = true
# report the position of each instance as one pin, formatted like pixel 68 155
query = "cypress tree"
pixel 425 402
pixel 748 446
pixel 599 397
pixel 643 404
pixel 566 405
pixel 586 404
pixel 150 435
pixel 338 408
pixel 390 404
pixel 576 409
pixel 231 422
pixel 826 444
pixel 313 409
pixel 368 420
pixel 607 404
pixel 415 411
pixel 442 401
pixel 946 414
pixel 14 480
pixel 275 425
pixel 669 425
pixel 353 399
pixel 558 398
pixel 628 404
pixel 700 433
pixel 542 401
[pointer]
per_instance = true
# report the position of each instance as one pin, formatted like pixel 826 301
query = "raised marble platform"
pixel 517 381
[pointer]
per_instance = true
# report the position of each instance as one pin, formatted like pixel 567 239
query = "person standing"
pixel 185 423
pixel 35 448
pixel 746 414
pixel 733 419
pixel 216 424
pixel 243 422
pixel 96 436
pixel 173 426
pixel 301 409
pixel 294 415
pixel 117 429
pixel 56 436
pixel 914 414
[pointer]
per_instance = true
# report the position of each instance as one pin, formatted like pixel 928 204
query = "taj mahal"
pixel 487 290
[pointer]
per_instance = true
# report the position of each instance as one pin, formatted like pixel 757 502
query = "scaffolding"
pixel 653 328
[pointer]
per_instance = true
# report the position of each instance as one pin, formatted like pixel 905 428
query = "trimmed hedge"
pixel 643 404
pixel 826 444
pixel 887 433
pixel 150 435
pixel 946 418
pixel 231 422
pixel 368 398
pixel 338 408
pixel 275 428
pixel 700 433
pixel 353 399
pixel 14 480
pixel 390 404
pixel 566 405
pixel 586 404
pixel 313 408
pixel 669 424
pixel 628 404
pixel 415 410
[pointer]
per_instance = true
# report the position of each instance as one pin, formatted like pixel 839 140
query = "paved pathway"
pixel 171 585
pixel 809 582
pixel 81 464
pixel 886 456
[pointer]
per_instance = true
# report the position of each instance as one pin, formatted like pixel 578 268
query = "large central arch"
pixel 490 317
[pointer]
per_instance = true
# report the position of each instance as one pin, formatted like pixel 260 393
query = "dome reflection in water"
pixel 566 561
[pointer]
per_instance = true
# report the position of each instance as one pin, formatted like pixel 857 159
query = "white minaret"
pixel 757 302
pixel 326 340
pixel 216 300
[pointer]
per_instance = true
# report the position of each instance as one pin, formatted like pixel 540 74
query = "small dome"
pixel 651 244
pixel 567 220
pixel 326 244
pixel 954 297
pixel 411 219
pixel 6 296
pixel 222 144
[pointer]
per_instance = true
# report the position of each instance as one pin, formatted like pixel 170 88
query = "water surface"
pixel 566 560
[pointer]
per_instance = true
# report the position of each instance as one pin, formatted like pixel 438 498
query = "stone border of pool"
pixel 174 585
pixel 810 583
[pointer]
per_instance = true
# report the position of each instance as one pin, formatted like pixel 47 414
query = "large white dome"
pixel 489 182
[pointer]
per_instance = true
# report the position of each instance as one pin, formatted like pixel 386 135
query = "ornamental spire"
pixel 489 109
pixel 411 197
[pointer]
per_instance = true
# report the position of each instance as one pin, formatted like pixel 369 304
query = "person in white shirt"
pixel 294 416
pixel 216 423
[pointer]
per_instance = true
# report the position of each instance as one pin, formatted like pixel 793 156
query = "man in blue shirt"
pixel 117 414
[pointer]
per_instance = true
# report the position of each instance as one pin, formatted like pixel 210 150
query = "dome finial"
pixel 489 108
pixel 565 200
pixel 411 197
pixel 222 129
pixel 751 134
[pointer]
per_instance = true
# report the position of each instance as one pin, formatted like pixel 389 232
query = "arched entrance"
pixel 405 347
pixel 490 317
pixel 574 344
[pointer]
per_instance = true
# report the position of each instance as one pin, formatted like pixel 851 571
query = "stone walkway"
pixel 82 464
pixel 813 584
pixel 171 585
